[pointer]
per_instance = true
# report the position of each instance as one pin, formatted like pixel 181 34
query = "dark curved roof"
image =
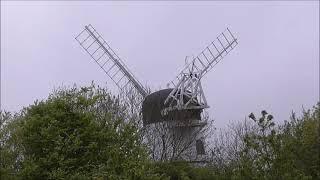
pixel 154 103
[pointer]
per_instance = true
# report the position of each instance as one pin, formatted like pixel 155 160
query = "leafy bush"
pixel 183 171
pixel 263 150
pixel 75 133
pixel 86 133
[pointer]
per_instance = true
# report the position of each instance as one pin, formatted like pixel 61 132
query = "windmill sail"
pixel 210 56
pixel 109 61
pixel 187 90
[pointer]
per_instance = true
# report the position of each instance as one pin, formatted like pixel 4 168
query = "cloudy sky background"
pixel 274 67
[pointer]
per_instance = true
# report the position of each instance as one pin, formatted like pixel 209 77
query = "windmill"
pixel 181 104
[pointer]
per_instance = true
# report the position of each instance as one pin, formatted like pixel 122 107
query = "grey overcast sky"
pixel 274 67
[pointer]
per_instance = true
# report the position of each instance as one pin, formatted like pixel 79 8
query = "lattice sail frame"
pixel 111 64
pixel 188 94
pixel 187 85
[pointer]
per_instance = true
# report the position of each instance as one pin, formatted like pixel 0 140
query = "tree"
pixel 227 146
pixel 86 133
pixel 288 151
pixel 75 133
pixel 181 170
pixel 176 140
pixel 299 150
pixel 260 149
pixel 9 148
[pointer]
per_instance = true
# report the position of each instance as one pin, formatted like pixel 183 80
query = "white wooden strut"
pixel 187 90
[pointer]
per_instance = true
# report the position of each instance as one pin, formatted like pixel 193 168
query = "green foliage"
pixel 75 133
pixel 259 148
pixel 9 148
pixel 183 171
pixel 299 149
pixel 86 133
pixel 289 151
